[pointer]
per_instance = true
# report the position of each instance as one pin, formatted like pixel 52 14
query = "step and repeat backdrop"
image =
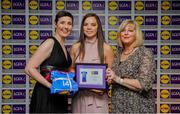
pixel 26 23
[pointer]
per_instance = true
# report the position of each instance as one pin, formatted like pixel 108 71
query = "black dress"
pixel 42 101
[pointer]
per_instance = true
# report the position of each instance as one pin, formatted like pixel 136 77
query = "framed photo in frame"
pixel 90 75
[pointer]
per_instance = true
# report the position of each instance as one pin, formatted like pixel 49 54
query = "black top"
pixel 57 57
pixel 42 100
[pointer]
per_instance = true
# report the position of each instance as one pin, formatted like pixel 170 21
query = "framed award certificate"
pixel 91 75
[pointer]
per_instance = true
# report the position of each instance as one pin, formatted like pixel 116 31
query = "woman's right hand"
pixel 111 76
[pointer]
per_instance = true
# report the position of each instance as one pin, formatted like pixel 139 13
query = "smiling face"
pixel 128 35
pixel 64 26
pixel 90 27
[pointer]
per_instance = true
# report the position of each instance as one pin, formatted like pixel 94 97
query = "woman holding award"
pixel 132 73
pixel 51 55
pixel 91 48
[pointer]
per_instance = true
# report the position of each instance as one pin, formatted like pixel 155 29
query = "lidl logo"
pixel 165 79
pixel 112 35
pixel 139 5
pixel 6 19
pixel 6 109
pixel 7 79
pixel 113 20
pixel 6 34
pixel 165 20
pixel 32 49
pixel 7 49
pixel 32 81
pixel 7 64
pixel 139 20
pixel 60 5
pixel 34 34
pixel 165 64
pixel 164 108
pixel 113 5
pixel 33 5
pixel 86 5
pixel 114 48
pixel 165 5
pixel 33 20
pixel 6 4
pixel 165 93
pixel 6 94
pixel 165 50
pixel 165 35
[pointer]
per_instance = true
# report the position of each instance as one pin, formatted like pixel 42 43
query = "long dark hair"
pixel 100 38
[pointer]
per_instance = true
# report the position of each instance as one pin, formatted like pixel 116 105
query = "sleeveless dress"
pixel 86 101
pixel 42 101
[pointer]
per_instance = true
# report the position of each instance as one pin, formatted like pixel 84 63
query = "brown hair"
pixel 100 38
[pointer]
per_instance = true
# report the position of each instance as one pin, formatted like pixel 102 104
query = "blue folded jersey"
pixel 63 81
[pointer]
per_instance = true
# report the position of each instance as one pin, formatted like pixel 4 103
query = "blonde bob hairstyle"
pixel 139 35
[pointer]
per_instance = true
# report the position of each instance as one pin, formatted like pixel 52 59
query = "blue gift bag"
pixel 63 83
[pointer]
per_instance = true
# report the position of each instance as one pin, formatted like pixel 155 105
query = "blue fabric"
pixel 62 82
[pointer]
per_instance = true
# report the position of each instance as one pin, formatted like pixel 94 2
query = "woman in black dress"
pixel 51 55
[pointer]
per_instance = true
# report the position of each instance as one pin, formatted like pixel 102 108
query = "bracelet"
pixel 120 80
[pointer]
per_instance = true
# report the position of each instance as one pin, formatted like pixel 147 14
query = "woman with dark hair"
pixel 91 48
pixel 51 55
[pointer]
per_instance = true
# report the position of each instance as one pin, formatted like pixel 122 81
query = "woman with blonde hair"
pixel 133 72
